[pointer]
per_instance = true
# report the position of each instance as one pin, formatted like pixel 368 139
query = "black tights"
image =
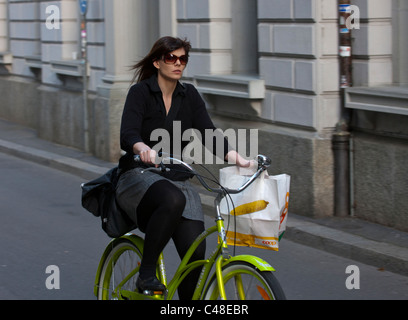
pixel 159 216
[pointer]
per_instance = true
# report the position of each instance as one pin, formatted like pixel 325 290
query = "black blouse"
pixel 144 111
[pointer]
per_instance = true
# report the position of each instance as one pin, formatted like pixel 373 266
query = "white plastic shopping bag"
pixel 261 210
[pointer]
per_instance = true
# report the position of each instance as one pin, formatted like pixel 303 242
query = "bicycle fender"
pixel 137 241
pixel 257 262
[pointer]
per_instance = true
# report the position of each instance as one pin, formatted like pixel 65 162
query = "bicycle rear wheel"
pixel 244 281
pixel 119 270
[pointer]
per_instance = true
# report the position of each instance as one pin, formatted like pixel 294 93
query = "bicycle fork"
pixel 224 257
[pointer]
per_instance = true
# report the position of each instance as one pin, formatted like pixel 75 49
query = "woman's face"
pixel 169 70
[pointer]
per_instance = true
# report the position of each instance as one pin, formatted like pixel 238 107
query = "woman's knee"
pixel 164 194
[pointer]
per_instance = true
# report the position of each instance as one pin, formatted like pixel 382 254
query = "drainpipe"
pixel 341 137
pixel 83 8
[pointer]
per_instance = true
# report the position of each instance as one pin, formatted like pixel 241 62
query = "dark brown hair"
pixel 145 68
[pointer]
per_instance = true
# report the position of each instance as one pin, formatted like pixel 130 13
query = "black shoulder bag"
pixel 98 197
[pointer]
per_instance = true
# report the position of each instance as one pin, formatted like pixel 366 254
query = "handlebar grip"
pixel 160 168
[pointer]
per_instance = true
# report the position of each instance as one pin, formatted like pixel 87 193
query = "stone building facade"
pixel 272 65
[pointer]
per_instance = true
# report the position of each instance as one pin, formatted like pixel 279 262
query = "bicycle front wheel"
pixel 244 281
pixel 119 271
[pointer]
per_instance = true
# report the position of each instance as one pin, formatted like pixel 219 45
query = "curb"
pixel 70 165
pixel 379 254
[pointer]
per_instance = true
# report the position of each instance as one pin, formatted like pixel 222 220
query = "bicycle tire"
pixel 259 285
pixel 123 258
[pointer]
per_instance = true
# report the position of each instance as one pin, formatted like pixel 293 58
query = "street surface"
pixel 43 224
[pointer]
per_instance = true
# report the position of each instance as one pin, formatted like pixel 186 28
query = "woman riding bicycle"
pixel 163 206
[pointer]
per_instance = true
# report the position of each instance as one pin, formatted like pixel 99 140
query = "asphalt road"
pixel 43 224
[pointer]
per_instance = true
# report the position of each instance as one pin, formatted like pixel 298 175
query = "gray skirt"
pixel 133 184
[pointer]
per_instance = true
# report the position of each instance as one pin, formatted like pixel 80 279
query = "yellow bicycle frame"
pixel 220 257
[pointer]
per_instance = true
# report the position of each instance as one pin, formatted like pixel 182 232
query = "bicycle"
pixel 242 277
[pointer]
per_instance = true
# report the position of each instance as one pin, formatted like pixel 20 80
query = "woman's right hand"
pixel 147 155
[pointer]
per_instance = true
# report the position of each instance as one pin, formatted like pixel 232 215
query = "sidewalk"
pixel 366 242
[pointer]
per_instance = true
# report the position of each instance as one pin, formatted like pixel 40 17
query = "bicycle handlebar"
pixel 263 163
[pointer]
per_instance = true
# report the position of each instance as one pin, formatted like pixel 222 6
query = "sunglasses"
pixel 172 59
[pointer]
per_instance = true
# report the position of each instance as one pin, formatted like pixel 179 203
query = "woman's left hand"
pixel 235 158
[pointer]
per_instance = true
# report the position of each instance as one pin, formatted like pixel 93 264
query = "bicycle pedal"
pixel 151 293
